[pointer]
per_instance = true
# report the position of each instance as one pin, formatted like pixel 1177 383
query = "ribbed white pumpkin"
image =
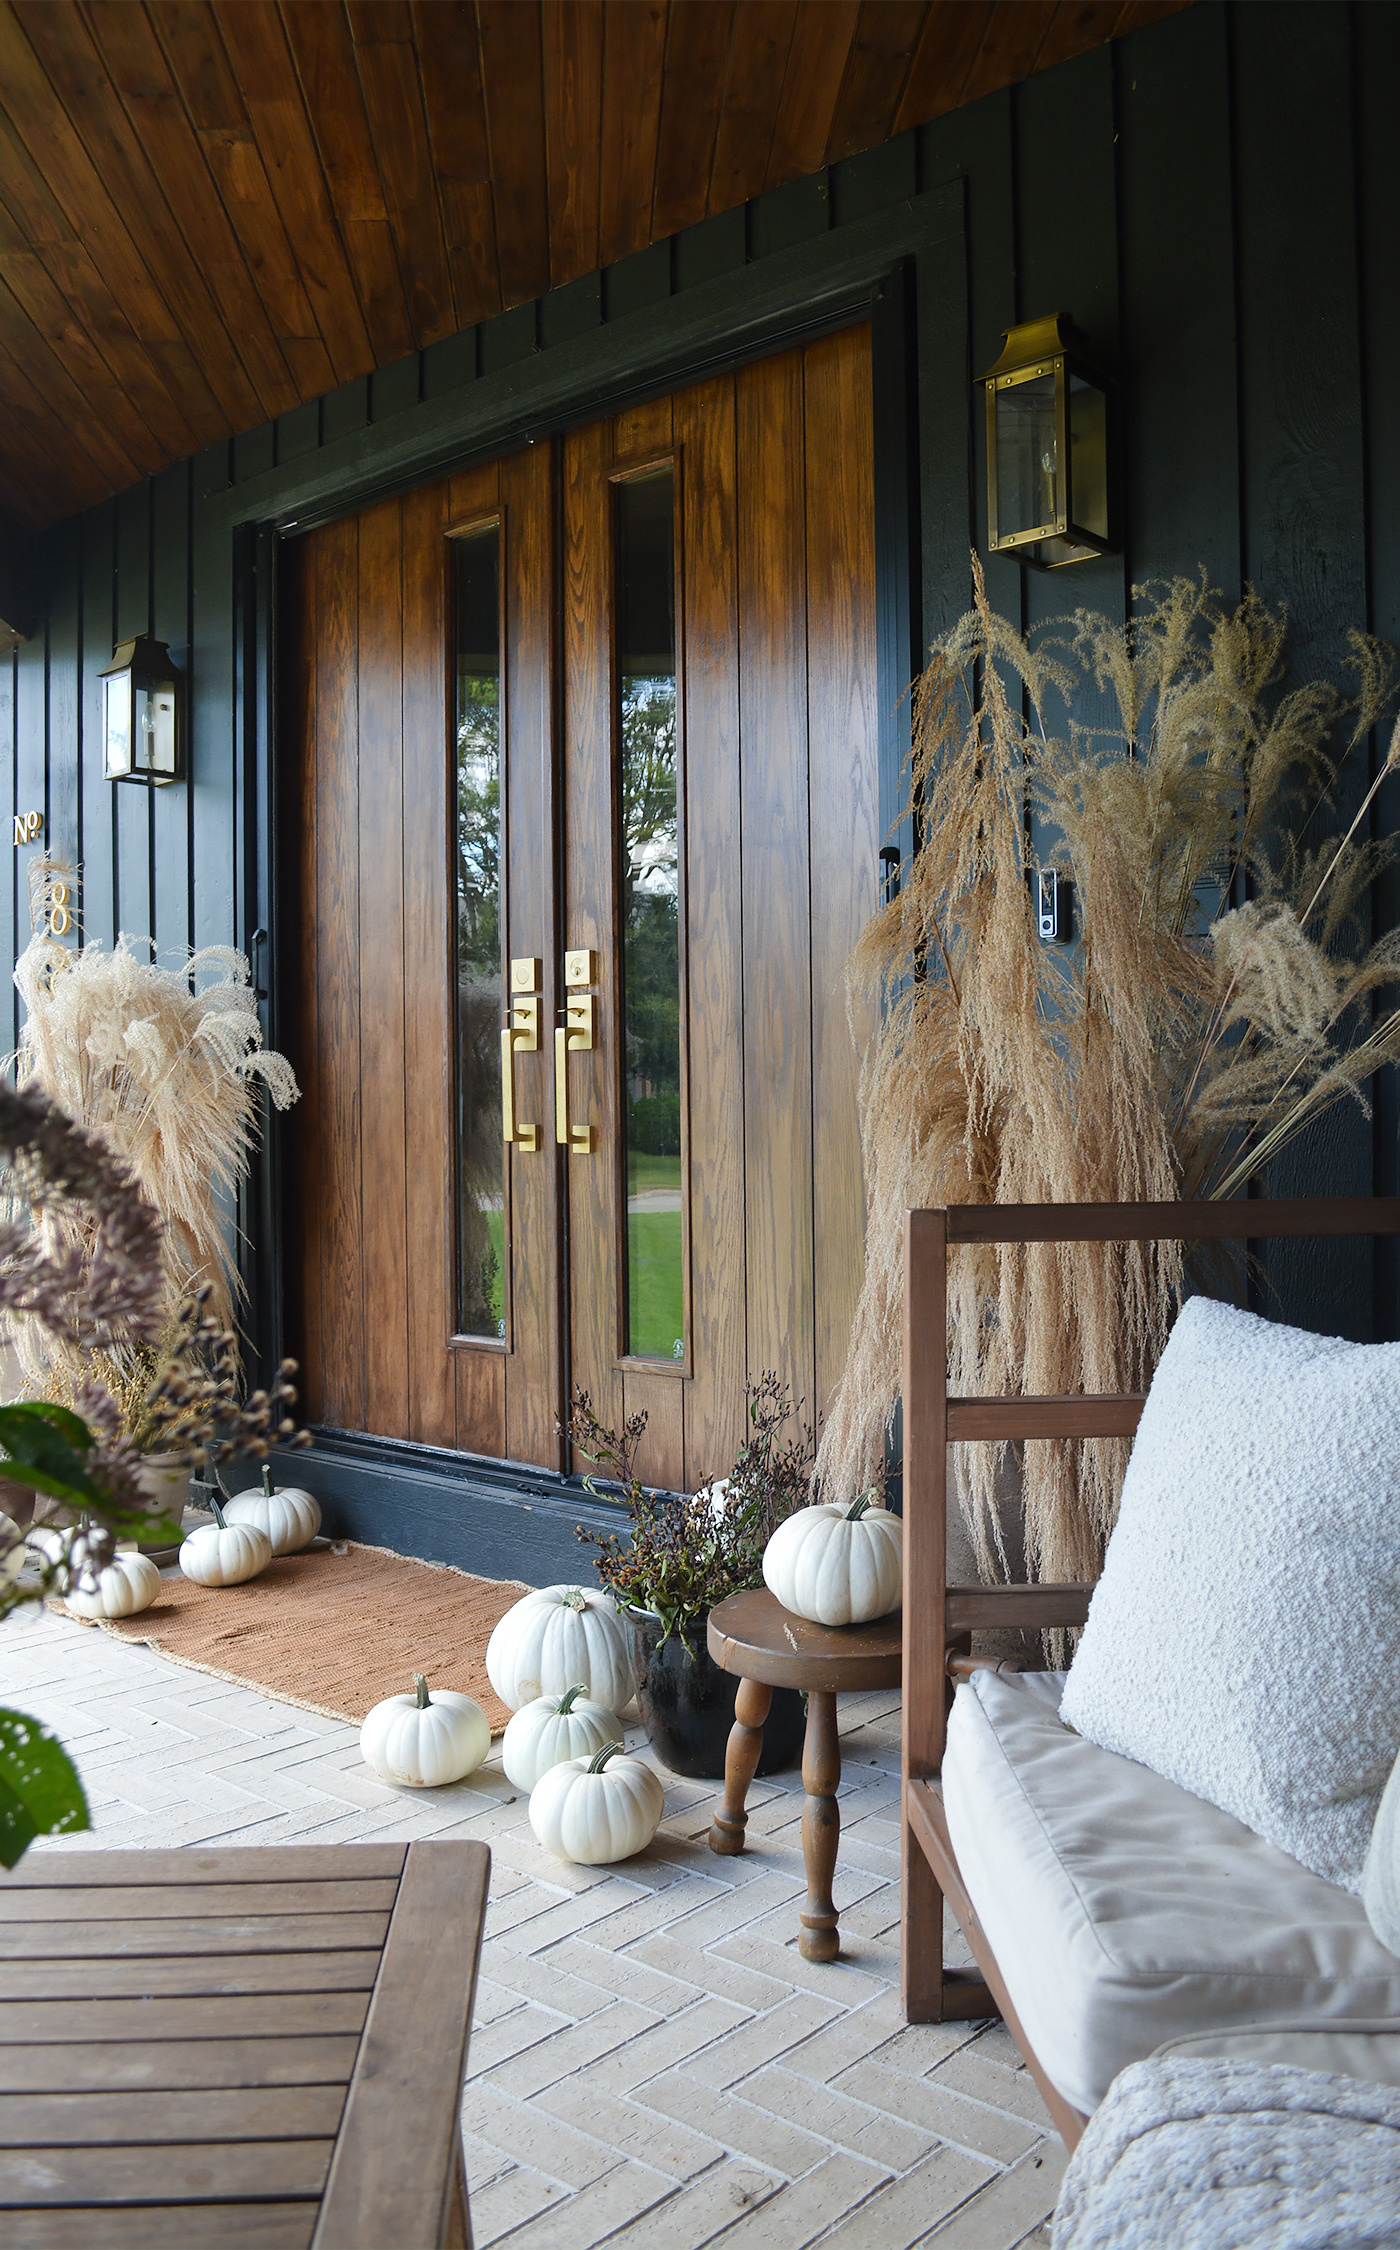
pixel 128 1584
pixel 225 1554
pixel 552 1730
pixel 599 1809
pixel 837 1566
pixel 424 1741
pixel 555 1636
pixel 290 1517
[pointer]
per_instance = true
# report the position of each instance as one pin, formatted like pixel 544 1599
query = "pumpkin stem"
pixel 574 1598
pixel 600 1757
pixel 858 1506
pixel 566 1700
pixel 219 1517
pixel 267 1480
pixel 420 1687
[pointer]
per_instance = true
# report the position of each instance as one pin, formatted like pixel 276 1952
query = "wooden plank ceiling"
pixel 213 210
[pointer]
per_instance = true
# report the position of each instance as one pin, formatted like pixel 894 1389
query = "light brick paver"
pixel 653 2063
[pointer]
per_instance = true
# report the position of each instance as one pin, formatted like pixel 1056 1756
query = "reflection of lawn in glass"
pixel 654 1280
pixel 647 1173
pixel 496 1228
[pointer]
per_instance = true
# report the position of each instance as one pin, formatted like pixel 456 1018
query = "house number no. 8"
pixel 60 920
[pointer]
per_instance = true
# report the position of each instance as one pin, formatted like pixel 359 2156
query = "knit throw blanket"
pixel 1218 2155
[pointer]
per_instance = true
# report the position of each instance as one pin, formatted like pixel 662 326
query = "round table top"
pixel 753 1635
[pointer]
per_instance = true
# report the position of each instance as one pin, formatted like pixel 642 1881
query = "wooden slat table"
pixel 234 2047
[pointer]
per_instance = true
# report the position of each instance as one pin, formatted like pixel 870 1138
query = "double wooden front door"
pixel 585 812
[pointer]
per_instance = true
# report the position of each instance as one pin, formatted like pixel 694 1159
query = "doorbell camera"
pixel 1053 905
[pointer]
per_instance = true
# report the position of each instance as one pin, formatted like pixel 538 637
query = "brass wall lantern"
pixel 1048 469
pixel 143 715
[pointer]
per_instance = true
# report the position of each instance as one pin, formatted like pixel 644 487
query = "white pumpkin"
pixel 290 1517
pixel 128 1584
pixel 555 1636
pixel 837 1566
pixel 225 1554
pixel 552 1730
pixel 599 1809
pixel 424 1741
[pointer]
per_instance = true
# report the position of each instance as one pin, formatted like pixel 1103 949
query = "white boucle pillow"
pixel 1244 1639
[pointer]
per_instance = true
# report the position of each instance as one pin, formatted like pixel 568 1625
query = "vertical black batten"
pixel 898 563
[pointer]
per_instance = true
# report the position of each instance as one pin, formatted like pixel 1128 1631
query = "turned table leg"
pixel 821 1827
pixel 745 1747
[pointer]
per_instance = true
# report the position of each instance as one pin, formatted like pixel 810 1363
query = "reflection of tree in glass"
pixel 479 823
pixel 479 1000
pixel 651 876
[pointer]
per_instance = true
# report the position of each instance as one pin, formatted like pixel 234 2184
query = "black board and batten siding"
pixel 1215 202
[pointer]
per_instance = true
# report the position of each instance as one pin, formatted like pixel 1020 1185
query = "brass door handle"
pixel 576 1034
pixel 520 1036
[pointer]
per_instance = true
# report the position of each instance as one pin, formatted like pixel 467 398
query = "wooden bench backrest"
pixel 935 1613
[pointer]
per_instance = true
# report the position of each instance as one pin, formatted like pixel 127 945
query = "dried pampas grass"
pixel 164 1066
pixel 1174 1050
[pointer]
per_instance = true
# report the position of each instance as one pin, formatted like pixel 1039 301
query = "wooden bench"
pixel 939 1618
pixel 233 2047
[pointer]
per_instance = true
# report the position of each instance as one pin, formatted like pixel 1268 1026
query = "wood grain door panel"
pixel 775 661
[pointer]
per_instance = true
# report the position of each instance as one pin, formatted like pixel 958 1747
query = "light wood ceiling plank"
pixel 318 33
pixel 513 82
pixel 168 299
pixel 449 64
pixel 951 41
pixel 634 54
pixel 254 44
pixel 753 91
pixel 573 105
pixel 393 97
pixel 882 52
pixel 36 434
pixel 811 88
pixel 1010 45
pixel 1075 27
pixel 214 185
pixel 697 54
pixel 66 343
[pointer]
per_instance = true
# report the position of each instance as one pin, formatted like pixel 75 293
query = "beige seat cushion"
pixel 1126 1913
pixel 1369 2051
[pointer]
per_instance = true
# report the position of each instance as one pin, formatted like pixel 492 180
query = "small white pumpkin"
pixel 225 1554
pixel 555 1636
pixel 290 1517
pixel 599 1809
pixel 837 1566
pixel 552 1730
pixel 424 1741
pixel 128 1584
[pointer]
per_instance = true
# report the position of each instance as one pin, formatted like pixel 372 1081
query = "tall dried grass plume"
pixel 163 1065
pixel 1220 997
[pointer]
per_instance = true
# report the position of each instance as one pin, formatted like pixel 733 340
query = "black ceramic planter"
pixel 687 1702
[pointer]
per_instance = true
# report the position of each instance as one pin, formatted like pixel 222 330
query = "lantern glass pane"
pixel 143 733
pixel 1027 461
pixel 116 724
pixel 1088 453
pixel 163 731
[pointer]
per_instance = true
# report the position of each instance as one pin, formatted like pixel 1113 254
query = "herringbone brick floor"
pixel 653 2062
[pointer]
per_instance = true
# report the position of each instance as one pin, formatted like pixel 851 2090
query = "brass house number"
pixel 29 827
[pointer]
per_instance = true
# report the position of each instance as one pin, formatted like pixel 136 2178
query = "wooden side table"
pixel 768 1647
pixel 260 2045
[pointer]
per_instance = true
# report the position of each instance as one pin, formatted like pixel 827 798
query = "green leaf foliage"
pixel 40 1793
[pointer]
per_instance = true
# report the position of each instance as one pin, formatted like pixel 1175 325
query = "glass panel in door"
pixel 648 798
pixel 480 1150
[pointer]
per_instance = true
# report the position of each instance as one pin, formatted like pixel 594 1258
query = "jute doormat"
pixel 334 1631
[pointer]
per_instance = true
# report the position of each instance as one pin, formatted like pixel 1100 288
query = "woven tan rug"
pixel 333 1631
